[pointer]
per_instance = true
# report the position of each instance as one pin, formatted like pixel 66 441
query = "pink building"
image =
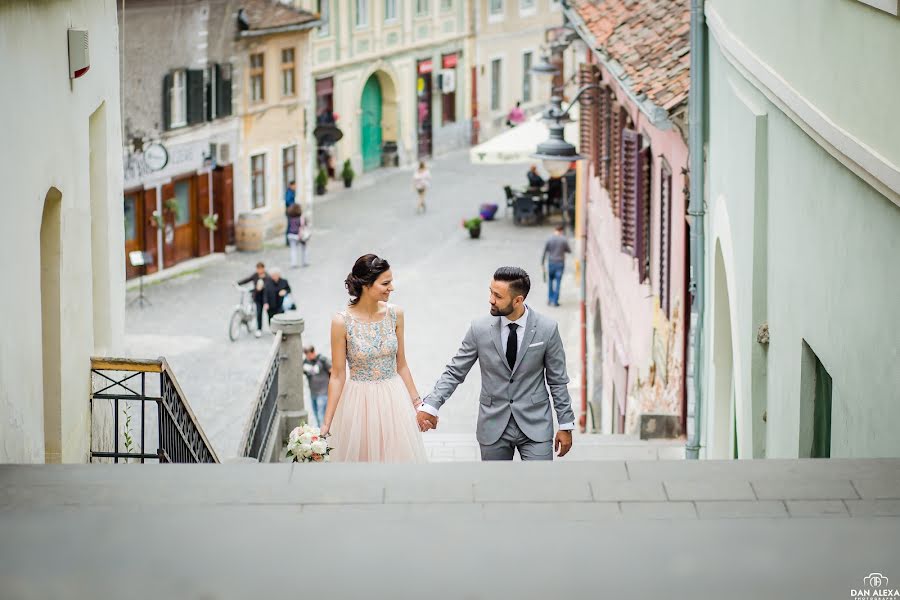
pixel 634 132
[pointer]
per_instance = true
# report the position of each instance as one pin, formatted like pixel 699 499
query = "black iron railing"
pixel 259 426
pixel 142 403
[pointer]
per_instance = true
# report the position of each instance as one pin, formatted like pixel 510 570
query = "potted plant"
pixel 473 225
pixel 211 222
pixel 347 174
pixel 171 205
pixel 488 211
pixel 321 182
pixel 157 220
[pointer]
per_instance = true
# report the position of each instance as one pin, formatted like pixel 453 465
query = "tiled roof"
pixel 649 38
pixel 271 14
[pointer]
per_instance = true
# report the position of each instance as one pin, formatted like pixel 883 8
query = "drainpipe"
pixel 696 137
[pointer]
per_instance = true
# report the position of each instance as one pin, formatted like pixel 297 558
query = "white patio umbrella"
pixel 516 145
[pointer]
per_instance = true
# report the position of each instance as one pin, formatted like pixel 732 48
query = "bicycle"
pixel 244 314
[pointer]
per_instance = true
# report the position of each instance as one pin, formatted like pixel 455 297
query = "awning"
pixel 516 145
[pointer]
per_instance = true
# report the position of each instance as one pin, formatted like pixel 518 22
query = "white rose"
pixel 305 450
pixel 319 447
pixel 295 435
pixel 306 438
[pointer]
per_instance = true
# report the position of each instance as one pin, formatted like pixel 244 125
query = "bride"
pixel 371 414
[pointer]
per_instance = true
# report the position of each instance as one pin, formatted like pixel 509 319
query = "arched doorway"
pixel 51 257
pixel 370 124
pixel 723 442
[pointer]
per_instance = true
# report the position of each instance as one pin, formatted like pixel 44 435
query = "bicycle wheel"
pixel 234 326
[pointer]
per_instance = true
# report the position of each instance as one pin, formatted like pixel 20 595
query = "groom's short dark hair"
pixel 518 280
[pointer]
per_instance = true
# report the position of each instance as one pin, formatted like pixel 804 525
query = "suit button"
pixel 510 400
pixel 511 379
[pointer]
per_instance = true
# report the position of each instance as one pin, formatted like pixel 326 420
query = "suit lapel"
pixel 498 343
pixel 529 337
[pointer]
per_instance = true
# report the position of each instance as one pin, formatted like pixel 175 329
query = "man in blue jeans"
pixel 318 373
pixel 554 257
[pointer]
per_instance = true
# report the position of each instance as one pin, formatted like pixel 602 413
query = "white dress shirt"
pixel 522 322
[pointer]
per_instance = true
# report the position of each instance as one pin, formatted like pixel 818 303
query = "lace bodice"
pixel 372 347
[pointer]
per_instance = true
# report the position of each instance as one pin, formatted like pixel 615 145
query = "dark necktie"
pixel 512 346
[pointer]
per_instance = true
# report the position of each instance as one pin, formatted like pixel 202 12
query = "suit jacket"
pixel 522 391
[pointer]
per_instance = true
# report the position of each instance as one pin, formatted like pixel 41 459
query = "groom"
pixel 518 350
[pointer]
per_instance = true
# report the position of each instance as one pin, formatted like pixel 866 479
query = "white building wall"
pixel 47 133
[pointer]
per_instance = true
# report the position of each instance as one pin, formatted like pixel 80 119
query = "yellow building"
pixel 275 101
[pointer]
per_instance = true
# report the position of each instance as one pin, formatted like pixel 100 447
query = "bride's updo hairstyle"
pixel 366 271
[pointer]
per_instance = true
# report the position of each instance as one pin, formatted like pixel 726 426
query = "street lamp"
pixel 556 153
pixel 544 70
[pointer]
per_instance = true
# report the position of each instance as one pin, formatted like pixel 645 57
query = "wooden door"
pixel 168 233
pixel 203 209
pixel 134 229
pixel 185 219
pixel 150 230
pixel 223 205
pixel 371 124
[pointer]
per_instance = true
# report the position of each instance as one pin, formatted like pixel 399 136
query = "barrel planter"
pixel 249 232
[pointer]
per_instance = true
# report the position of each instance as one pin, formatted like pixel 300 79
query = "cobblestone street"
pixel 441 279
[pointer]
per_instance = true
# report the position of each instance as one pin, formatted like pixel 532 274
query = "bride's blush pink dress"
pixel 375 420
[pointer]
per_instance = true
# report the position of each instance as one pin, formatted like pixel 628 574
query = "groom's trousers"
pixel 512 439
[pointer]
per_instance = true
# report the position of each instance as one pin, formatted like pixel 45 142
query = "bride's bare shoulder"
pixel 339 319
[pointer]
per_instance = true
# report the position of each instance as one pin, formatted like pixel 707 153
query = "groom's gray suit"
pixel 514 409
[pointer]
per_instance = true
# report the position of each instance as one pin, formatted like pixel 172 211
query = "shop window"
pixel 130 218
pixel 183 200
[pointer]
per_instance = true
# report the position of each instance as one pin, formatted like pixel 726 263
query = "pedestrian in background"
pixel 258 279
pixel 421 181
pixel 516 116
pixel 290 199
pixel 554 256
pixel 298 234
pixel 276 289
pixel 318 374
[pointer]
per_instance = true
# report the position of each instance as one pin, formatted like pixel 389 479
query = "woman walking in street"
pixel 298 233
pixel 421 181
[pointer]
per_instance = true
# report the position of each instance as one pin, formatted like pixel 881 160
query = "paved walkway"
pixel 441 277
pixel 638 529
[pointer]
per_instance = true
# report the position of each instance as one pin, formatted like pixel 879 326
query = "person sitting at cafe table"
pixel 535 181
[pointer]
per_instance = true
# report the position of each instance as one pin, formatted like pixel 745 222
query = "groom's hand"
pixel 563 442
pixel 426 421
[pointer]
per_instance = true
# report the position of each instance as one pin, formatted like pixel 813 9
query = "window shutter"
pixel 665 234
pixel 618 119
pixel 211 87
pixel 223 92
pixel 585 77
pixel 195 94
pixel 603 137
pixel 630 186
pixel 594 112
pixel 167 102
pixel 642 241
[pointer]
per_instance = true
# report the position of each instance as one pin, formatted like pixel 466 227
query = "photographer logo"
pixel 875 585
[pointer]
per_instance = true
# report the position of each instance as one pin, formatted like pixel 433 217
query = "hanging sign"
pixel 425 66
pixel 449 61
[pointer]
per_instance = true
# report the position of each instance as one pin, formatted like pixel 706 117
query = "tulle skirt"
pixel 375 422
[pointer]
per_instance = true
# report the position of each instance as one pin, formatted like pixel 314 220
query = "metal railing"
pixel 260 424
pixel 118 385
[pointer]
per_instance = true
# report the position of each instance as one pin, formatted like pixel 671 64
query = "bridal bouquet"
pixel 306 444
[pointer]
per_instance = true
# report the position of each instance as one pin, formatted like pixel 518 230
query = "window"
pixel 446 5
pixel 423 7
pixel 257 70
pixel 665 235
pixel 495 84
pixel 323 7
pixel 178 99
pixel 815 406
pixel 218 91
pixel 131 204
pixel 362 13
pixel 183 200
pixel 288 166
pixel 287 72
pixel 495 7
pixel 258 180
pixel 390 10
pixel 527 6
pixel 526 76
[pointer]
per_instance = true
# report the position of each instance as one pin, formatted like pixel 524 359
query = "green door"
pixel 371 124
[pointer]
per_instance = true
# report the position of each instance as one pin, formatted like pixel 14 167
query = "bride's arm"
pixel 402 365
pixel 338 369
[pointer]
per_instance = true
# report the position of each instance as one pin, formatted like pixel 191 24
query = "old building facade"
pixel 633 133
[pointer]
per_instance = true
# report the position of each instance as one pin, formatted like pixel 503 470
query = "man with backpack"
pixel 318 373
